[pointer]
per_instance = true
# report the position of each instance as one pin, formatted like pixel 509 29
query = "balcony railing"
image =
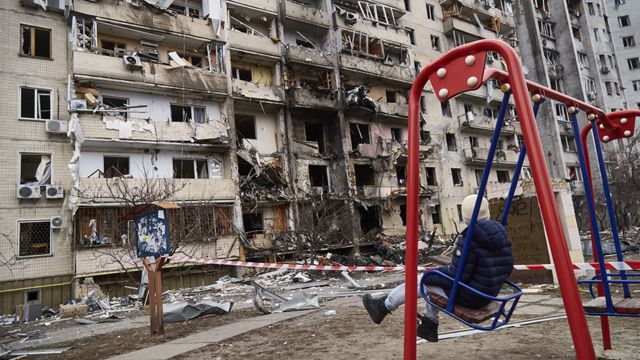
pixel 252 90
pixel 293 11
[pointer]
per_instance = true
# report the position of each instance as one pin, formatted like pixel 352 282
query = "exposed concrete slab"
pixel 204 338
pixel 553 302
pixel 535 310
pixel 534 298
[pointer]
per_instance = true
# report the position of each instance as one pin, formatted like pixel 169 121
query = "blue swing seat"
pixel 496 309
pixel 597 306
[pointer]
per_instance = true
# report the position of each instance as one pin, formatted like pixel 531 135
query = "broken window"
pixel 546 29
pixel 112 48
pixel 435 214
pixel 315 132
pixel 36 42
pixel 460 218
pixel 253 224
pixel 542 5
pixel 431 12
pixel 362 44
pixel 451 142
pixel 34 238
pixel 446 108
pixel 403 214
pixel 359 135
pixel 473 141
pixel 425 137
pixel 573 173
pixel 35 169
pixel 370 218
pixel 435 43
pixel 186 10
pixel 115 166
pixel 503 176
pixel 396 134
pixel 456 176
pixel 412 36
pixel 190 169
pixel 380 14
pixel 244 168
pixel 568 143
pixel 246 127
pixel 401 175
pixel 35 103
pixel 624 21
pixel 391 96
pixel 188 113
pixel 304 43
pixel 555 84
pixel 431 176
pixel 241 74
pixel 318 176
pixel 116 103
pixel 478 174
pixel 364 175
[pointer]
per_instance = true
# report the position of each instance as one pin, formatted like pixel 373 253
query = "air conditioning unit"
pixel 54 192
pixel 58 222
pixel 592 96
pixel 56 126
pixel 132 61
pixel 605 69
pixel 28 192
pixel 567 126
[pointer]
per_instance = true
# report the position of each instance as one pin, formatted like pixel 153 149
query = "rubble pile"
pixel 264 181
pixel 629 238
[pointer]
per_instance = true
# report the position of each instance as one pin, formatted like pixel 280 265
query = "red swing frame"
pixel 463 69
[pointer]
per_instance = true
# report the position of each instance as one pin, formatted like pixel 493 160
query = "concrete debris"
pixel 358 97
pixel 183 310
pixel 330 313
pixel 265 181
pixel 352 282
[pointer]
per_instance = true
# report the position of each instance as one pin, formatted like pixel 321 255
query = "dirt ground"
pixel 351 335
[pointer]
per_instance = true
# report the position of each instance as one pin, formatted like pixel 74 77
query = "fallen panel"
pixel 183 311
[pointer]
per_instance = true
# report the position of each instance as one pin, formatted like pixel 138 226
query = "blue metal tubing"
pixel 624 281
pixel 592 211
pixel 476 208
pixel 611 314
pixel 500 313
pixel 516 173
pixel 607 197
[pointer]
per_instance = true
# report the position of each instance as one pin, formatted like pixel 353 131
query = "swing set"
pixel 463 69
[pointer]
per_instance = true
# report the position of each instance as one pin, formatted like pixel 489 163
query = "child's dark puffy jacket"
pixel 489 263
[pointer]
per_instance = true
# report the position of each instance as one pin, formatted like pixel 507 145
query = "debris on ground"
pixel 183 310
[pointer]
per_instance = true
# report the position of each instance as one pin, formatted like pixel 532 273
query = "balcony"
pixel 555 70
pixel 251 90
pixel 387 33
pixel 470 9
pixel 478 156
pixel 384 192
pixel 97 190
pixel 99 129
pixel 455 23
pixel 296 12
pixel 362 65
pixel 254 44
pixel 394 110
pixel 486 125
pixel 269 6
pixel 120 11
pixel 107 70
pixel 314 98
pixel 309 56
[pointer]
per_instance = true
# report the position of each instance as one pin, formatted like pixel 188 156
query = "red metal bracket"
pixel 623 125
pixel 459 75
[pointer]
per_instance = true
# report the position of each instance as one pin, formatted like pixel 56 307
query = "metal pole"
pixel 609 201
pixel 592 208
pixel 516 172
pixel 604 320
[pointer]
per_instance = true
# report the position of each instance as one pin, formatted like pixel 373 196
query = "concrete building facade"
pixel 267 122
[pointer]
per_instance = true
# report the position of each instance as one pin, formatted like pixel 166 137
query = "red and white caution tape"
pixel 613 265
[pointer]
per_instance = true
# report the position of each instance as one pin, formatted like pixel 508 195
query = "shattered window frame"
pixel 431 176
pixel 186 10
pixel 39 96
pixel 435 214
pixel 22 180
pixel 119 48
pixel 452 143
pixel 197 166
pixel 326 182
pixel 503 176
pixel 26 239
pixel 116 102
pixel 361 130
pixel 33 41
pixel 435 43
pixel 573 172
pixel 456 177
pixel 117 170
pixel 196 114
pixel 239 73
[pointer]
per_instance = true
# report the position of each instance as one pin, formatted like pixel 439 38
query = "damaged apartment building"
pixel 260 126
